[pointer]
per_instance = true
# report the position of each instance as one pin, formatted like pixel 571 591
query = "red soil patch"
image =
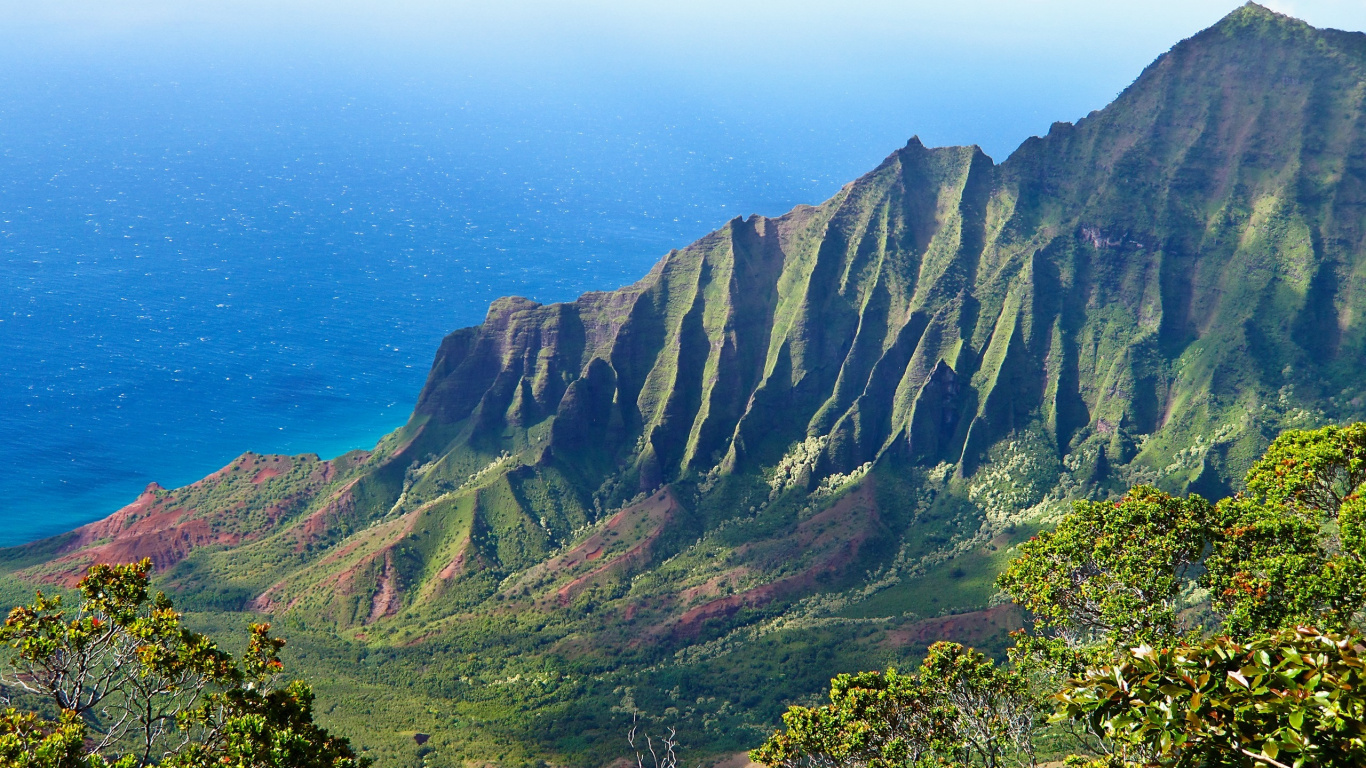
pixel 152 526
pixel 316 525
pixel 656 511
pixel 150 501
pixel 712 587
pixel 164 537
pixel 691 621
pixel 165 527
pixel 265 602
pixel 839 532
pixel 339 583
pixel 972 628
pixel 456 564
pixel 387 599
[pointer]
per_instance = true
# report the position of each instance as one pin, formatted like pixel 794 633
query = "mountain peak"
pixel 863 401
pixel 1256 18
pixel 1251 9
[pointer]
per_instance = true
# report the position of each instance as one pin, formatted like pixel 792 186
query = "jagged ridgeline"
pixel 1158 272
pixel 848 412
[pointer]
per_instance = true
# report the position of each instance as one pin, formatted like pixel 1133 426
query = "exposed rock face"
pixel 1185 252
pixel 1147 295
pixel 819 434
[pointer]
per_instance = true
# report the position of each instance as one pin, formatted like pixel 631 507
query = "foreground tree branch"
pixel 136 688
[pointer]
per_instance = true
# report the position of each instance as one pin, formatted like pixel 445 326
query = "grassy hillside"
pixel 805 445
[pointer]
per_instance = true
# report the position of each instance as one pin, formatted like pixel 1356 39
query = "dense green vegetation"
pixel 807 445
pixel 1128 677
pixel 131 687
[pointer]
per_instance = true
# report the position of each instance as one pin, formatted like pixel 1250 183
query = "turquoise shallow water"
pixel 192 269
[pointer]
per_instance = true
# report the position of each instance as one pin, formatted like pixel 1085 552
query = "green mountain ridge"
pixel 806 444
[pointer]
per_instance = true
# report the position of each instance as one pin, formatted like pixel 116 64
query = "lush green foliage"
pixel 873 719
pixel 960 708
pixel 1292 549
pixel 1112 569
pixel 1284 554
pixel 29 741
pixel 1105 589
pixel 1294 698
pixel 855 413
pixel 135 687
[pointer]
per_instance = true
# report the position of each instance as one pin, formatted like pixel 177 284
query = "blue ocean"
pixel 197 261
pixel 191 270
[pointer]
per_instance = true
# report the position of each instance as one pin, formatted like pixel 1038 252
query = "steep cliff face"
pixel 858 397
pixel 1176 258
pixel 829 427
pixel 827 320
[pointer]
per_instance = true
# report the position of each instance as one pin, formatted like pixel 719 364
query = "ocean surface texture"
pixel 191 270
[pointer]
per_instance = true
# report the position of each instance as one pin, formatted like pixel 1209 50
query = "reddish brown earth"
pixel 340 582
pixel 830 542
pixel 714 587
pixel 455 566
pixel 167 525
pixel 656 512
pixel 315 527
pixel 836 534
pixel 387 596
pixel 653 514
pixel 972 628
pixel 151 527
pixel 387 599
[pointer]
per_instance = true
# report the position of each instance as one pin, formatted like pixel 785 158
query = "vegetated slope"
pixel 831 426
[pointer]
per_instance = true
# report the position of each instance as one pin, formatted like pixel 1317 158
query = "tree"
pixel 1292 549
pixel 1111 571
pixel 873 720
pixel 1280 561
pixel 1311 468
pixel 959 708
pixel 1292 699
pixel 1286 555
pixel 28 741
pixel 994 710
pixel 134 687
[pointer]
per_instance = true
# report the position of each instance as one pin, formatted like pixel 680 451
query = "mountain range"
pixel 806 444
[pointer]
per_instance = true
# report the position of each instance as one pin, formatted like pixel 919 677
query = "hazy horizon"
pixel 977 72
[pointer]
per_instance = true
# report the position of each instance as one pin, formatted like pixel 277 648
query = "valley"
pixel 803 445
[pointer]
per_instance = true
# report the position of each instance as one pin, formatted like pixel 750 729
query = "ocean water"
pixel 193 267
pixel 218 243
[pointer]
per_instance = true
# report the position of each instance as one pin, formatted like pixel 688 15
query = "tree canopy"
pixel 1290 698
pixel 1281 566
pixel 959 708
pixel 1112 569
pixel 129 685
